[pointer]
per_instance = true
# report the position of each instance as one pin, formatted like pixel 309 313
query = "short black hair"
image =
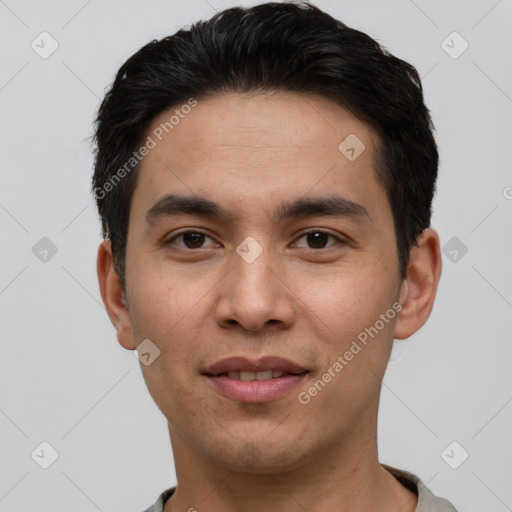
pixel 293 47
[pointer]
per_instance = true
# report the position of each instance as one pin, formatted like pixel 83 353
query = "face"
pixel 285 264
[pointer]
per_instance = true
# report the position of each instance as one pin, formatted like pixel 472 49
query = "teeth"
pixel 266 375
pixel 263 375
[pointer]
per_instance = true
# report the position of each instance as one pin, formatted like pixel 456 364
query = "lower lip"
pixel 255 391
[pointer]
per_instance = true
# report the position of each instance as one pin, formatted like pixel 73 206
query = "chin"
pixel 262 457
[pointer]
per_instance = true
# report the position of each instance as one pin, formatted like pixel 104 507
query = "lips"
pixel 255 380
pixel 243 365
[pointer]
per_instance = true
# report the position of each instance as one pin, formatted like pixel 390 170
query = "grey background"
pixel 65 380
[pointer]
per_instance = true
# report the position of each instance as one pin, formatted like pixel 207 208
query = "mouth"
pixel 260 376
pixel 255 381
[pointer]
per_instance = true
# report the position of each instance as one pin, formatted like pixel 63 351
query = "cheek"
pixel 347 309
pixel 348 298
pixel 169 317
pixel 165 299
pixel 170 308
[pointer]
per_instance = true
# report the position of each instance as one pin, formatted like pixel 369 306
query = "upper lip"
pixel 254 365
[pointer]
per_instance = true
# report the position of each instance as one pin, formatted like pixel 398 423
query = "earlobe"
pixel 420 284
pixel 113 296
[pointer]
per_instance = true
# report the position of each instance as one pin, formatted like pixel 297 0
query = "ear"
pixel 113 296
pixel 419 287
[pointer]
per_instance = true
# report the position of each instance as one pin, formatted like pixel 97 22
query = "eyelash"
pixel 339 240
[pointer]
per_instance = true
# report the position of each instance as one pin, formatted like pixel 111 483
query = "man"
pixel 264 181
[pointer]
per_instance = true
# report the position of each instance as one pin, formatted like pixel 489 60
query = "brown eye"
pixel 318 239
pixel 193 240
pixel 190 240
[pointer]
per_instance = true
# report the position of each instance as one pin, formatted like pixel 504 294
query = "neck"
pixel 345 477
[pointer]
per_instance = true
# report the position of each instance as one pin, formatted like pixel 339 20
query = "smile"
pixel 254 380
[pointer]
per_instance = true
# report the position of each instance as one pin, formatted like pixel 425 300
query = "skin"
pixel 305 302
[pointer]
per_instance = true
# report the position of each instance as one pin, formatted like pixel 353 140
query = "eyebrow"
pixel 333 205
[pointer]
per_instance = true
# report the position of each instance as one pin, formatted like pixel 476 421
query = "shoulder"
pixel 158 506
pixel 427 500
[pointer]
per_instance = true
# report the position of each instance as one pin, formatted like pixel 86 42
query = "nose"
pixel 255 295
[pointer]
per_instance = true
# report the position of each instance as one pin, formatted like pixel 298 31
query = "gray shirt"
pixel 427 501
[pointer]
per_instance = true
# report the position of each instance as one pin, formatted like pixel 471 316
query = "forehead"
pixel 259 145
pixel 280 119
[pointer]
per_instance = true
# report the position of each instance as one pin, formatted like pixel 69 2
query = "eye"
pixel 317 239
pixel 191 240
